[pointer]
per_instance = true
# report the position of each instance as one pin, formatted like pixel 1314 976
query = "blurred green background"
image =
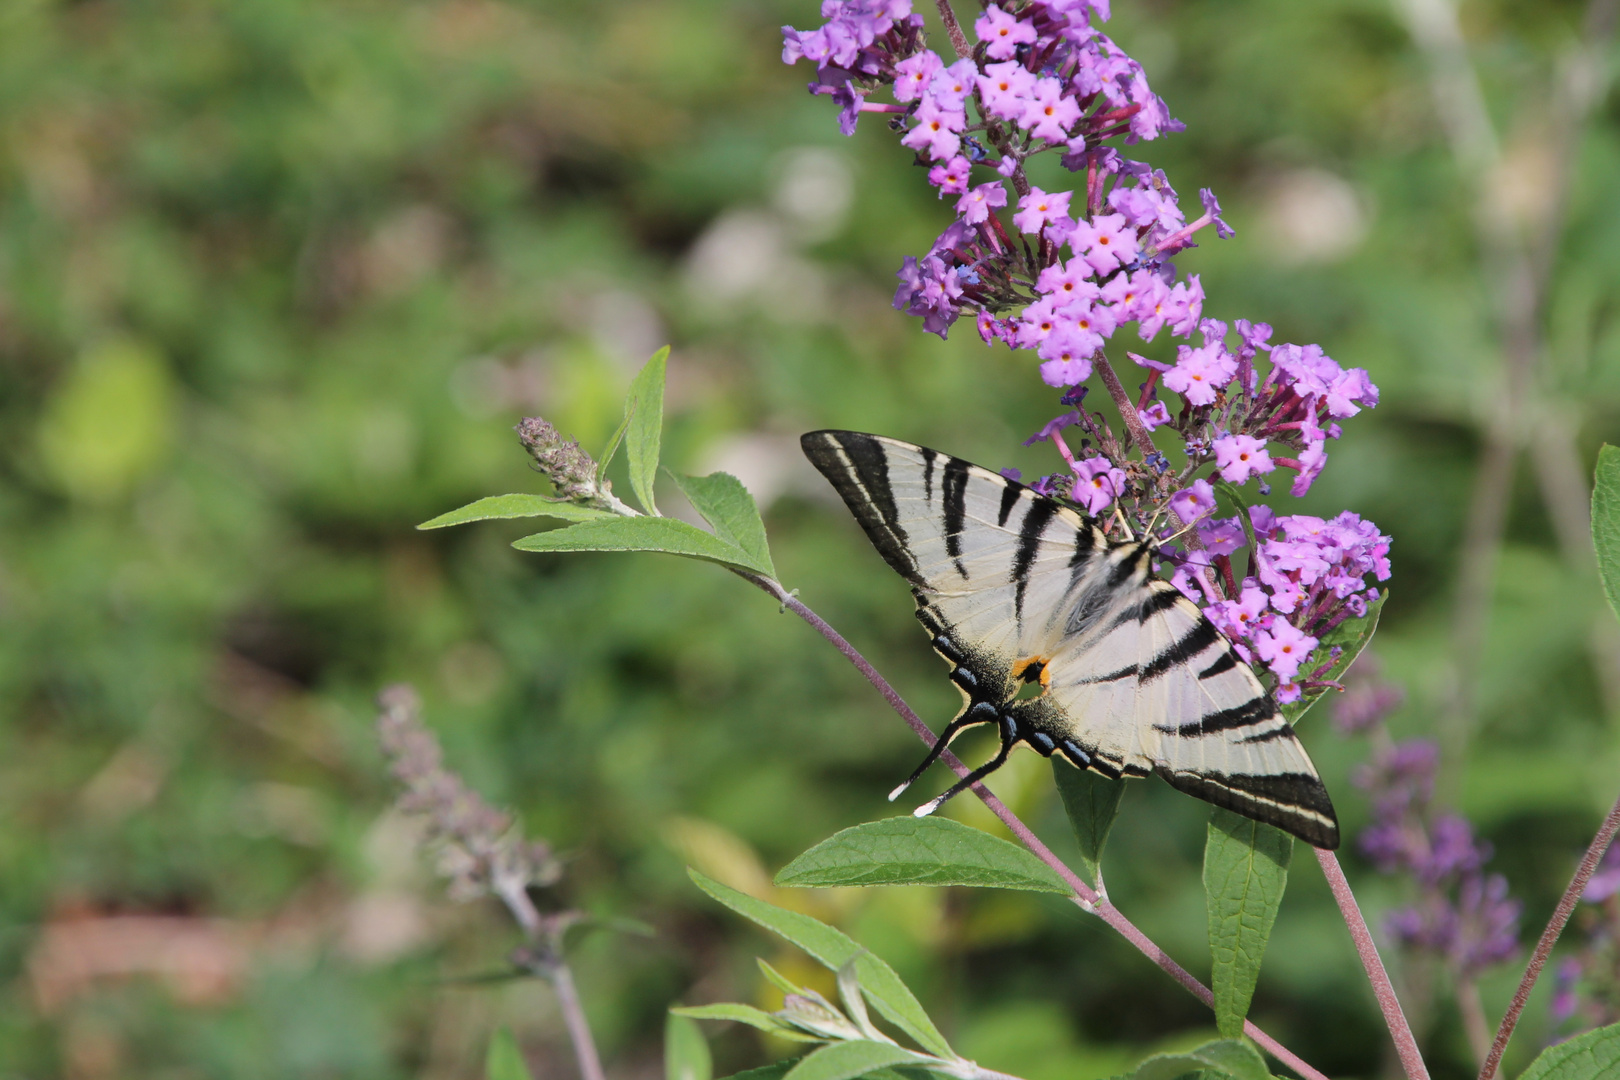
pixel 276 279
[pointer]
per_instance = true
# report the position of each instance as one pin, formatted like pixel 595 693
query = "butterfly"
pixel 1066 641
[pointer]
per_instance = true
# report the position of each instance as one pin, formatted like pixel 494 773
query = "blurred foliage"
pixel 276 279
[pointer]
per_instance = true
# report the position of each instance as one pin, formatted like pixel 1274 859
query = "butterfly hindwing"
pixel 1014 587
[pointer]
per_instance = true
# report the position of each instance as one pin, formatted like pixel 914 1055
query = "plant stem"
pixel 545 959
pixel 1122 401
pixel 579 1029
pixel 1084 896
pixel 1549 936
pixel 959 40
pixel 1472 1009
pixel 1399 1030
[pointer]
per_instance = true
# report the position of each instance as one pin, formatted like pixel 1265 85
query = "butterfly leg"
pixel 1009 735
pixel 981 713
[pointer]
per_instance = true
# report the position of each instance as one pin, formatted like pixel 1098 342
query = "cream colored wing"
pixel 1015 588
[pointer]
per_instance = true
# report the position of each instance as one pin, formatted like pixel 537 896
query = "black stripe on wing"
pixel 858 467
pixel 956 478
pixel 1296 803
pixel 1036 519
pixel 1256 710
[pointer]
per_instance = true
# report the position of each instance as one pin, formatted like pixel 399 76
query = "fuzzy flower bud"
pixel 568 467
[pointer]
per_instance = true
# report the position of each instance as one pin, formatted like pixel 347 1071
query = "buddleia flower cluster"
pixel 1059 275
pixel 1460 916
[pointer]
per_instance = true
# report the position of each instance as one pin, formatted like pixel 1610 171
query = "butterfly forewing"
pixel 990 556
pixel 1014 586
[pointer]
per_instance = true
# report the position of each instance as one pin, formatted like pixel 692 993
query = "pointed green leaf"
pixel 514 506
pixel 726 505
pixel 1092 802
pixel 1592 1056
pixel 834 949
pixel 686 1051
pixel 746 1014
pixel 776 978
pixel 1238 1060
pixel 1245 872
pixel 1606 522
pixel 615 533
pixel 504 1061
pixel 920 851
pixel 847 1060
pixel 614 441
pixel 644 412
pixel 1352 636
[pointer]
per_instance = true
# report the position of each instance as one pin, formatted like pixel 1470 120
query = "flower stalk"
pixel 479 847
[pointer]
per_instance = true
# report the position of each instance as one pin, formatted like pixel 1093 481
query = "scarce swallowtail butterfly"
pixel 1015 588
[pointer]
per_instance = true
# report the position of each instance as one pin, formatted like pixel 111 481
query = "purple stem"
pixel 1084 895
pixel 959 40
pixel 1127 411
pixel 1549 936
pixel 1399 1030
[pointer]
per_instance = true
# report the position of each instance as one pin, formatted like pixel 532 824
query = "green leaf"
pixel 847 1060
pixel 776 1070
pixel 614 441
pixel 1236 496
pixel 1238 1060
pixel 616 533
pixel 515 506
pixel 746 1014
pixel 776 978
pixel 686 1051
pixel 920 851
pixel 1592 1056
pixel 1606 522
pixel 1352 636
pixel 504 1061
pixel 1245 872
pixel 834 949
pixel 726 505
pixel 1092 802
pixel 644 413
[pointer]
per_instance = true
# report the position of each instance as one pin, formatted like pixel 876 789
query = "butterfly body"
pixel 1021 593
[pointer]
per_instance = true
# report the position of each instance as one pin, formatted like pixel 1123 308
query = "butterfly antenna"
pixel 940 744
pixel 1153 521
pixel 1123 524
pixel 1183 531
pixel 969 780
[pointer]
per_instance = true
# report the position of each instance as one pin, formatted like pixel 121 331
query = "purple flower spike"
pixel 1055 275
